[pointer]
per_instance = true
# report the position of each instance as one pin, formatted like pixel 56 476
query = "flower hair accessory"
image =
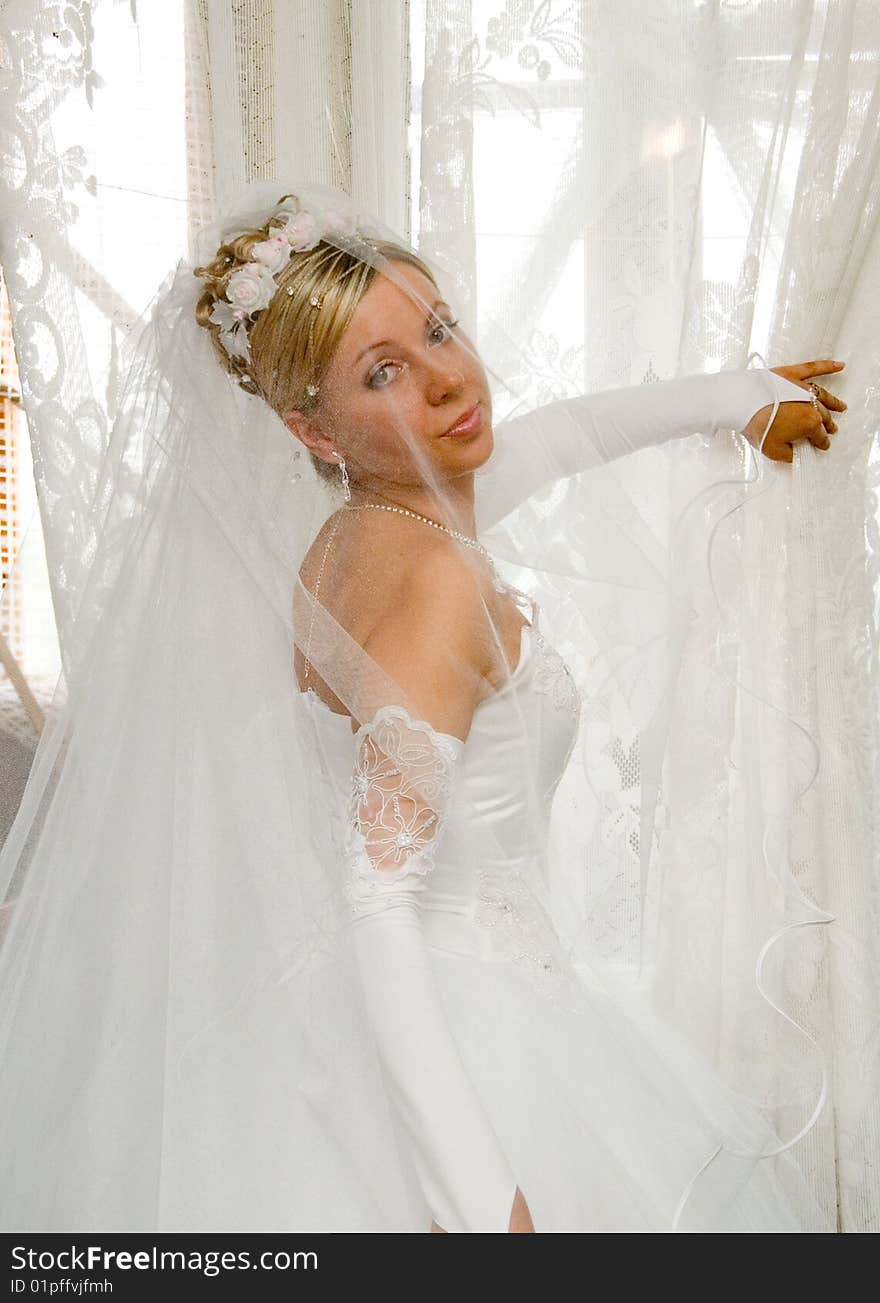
pixel 251 287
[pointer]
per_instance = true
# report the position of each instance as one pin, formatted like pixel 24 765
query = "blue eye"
pixel 383 366
pixel 446 326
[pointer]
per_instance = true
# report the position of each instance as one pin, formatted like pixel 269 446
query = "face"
pixel 401 376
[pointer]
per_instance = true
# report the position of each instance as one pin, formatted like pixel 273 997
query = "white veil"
pixel 178 995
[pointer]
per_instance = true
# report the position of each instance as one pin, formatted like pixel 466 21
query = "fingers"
pixel 826 422
pixel 817 434
pixel 831 400
pixel 779 451
pixel 827 419
pixel 823 367
pixel 819 437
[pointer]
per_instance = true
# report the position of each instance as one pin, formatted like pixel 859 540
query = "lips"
pixel 469 423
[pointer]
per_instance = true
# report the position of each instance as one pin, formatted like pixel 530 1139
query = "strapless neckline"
pixel 525 647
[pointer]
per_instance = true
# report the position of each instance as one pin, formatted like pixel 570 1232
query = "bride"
pixel 350 882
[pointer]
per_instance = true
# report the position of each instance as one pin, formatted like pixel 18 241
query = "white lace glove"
pixel 400 789
pixel 572 434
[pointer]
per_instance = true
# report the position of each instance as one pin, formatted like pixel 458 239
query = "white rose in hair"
pixel 303 232
pixel 251 287
pixel 273 253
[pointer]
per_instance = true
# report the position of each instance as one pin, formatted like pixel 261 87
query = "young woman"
pixel 369 1017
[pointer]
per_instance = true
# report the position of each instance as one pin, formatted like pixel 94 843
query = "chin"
pixel 462 458
pixel 485 445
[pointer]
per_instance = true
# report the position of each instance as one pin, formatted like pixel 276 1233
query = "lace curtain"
pixel 636 191
pixel 694 182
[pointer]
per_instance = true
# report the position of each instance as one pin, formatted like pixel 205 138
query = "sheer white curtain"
pixel 126 127
pixel 296 89
pixel 648 190
pixel 639 190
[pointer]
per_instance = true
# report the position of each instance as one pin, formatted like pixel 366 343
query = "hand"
pixel 797 421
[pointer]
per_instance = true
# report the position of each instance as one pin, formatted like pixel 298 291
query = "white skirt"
pixel 610 1120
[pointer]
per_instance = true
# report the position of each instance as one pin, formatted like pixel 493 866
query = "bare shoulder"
pixel 431 636
pixel 414 601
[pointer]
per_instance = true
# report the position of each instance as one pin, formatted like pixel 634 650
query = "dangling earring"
pixel 345 489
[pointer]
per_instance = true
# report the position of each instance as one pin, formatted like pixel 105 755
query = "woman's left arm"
pixel 571 435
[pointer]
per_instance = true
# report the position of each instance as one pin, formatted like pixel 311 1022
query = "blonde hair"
pixel 291 341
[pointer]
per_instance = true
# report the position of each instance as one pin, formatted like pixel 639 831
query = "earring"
pixel 345 489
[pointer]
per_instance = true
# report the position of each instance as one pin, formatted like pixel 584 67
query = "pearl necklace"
pixel 499 583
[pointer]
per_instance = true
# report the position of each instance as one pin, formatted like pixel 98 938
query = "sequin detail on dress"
pixel 525 934
pixel 554 678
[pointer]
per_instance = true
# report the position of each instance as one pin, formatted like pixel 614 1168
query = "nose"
pixel 445 379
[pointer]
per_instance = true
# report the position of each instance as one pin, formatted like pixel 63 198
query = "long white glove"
pixel 572 434
pixel 400 789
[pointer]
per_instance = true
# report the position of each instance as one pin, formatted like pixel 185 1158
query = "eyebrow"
pixel 380 343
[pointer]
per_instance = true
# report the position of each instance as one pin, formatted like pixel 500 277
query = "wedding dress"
pixel 277 964
pixel 601 1120
pixel 508 1066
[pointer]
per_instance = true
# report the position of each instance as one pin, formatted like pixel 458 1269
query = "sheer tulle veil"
pixel 176 980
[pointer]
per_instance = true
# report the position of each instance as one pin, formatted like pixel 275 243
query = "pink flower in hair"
pixel 302 231
pixel 274 253
pixel 251 287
